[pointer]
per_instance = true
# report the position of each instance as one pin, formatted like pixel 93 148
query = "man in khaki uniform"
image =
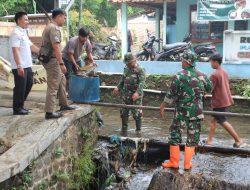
pixel 50 56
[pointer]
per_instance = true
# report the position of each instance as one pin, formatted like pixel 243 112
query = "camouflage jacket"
pixel 133 80
pixel 187 92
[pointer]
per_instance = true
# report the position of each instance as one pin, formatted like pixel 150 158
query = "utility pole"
pixel 80 14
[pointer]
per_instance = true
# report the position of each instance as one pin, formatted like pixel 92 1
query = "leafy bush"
pixel 89 22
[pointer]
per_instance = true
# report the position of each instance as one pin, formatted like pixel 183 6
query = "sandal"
pixel 242 145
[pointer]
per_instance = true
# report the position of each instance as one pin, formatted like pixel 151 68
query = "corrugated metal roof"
pixel 148 4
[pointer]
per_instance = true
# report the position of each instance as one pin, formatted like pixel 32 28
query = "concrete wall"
pixel 4 46
pixel 183 18
pixel 53 169
pixel 171 68
pixel 183 21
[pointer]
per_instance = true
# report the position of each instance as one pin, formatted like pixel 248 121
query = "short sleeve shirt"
pixel 221 94
pixel 76 48
pixel 19 39
pixel 51 35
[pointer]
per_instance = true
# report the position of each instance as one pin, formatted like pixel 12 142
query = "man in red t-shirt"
pixel 221 100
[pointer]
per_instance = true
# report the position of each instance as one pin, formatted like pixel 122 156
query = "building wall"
pixel 183 21
pixel 182 18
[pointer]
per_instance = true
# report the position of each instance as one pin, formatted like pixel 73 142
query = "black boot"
pixel 138 124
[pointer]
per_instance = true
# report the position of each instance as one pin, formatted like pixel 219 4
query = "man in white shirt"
pixel 21 62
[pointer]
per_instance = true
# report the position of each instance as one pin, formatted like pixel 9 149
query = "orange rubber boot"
pixel 189 152
pixel 174 157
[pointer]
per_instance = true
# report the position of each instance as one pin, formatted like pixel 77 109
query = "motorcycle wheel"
pixel 163 57
pixel 113 56
pixel 95 54
pixel 204 57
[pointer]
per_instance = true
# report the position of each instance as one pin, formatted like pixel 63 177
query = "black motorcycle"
pixel 204 51
pixel 173 52
pixel 149 50
pixel 103 51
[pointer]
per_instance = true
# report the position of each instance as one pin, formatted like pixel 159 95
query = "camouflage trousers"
pixel 193 128
pixel 137 113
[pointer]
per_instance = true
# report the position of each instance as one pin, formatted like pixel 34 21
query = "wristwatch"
pixel 19 66
pixel 61 63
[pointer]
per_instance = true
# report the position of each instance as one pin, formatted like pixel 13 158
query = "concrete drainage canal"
pixel 123 164
pixel 66 155
pixel 134 164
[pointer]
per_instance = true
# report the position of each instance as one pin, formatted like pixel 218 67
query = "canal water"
pixel 153 127
pixel 229 169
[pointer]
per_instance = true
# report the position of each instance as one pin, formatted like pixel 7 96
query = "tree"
pixel 10 7
pixel 89 22
pixel 104 12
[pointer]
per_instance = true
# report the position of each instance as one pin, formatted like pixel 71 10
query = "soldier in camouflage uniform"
pixel 131 87
pixel 186 92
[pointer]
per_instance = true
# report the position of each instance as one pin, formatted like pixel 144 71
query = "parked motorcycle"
pixel 204 51
pixel 103 51
pixel 149 50
pixel 173 52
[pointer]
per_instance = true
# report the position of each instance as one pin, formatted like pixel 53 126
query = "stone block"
pixel 53 181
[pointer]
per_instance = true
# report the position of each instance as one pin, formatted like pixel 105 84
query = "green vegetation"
pixel 10 7
pixel 62 176
pixel 43 185
pixel 26 177
pixel 83 165
pixel 84 168
pixel 58 151
pixel 246 91
pixel 88 21
pixel 104 12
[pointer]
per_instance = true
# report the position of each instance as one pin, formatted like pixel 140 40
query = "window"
pixel 240 25
pixel 204 31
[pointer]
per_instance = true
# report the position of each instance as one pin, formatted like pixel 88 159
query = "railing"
pixel 230 114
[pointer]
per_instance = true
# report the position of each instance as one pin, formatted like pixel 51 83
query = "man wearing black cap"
pixel 50 56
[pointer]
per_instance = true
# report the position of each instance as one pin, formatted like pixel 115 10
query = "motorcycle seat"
pixel 202 49
pixel 175 45
pixel 203 44
pixel 101 45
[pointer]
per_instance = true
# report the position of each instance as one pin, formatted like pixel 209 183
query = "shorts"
pixel 220 118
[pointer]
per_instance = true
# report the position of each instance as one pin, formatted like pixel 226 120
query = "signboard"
pixel 236 47
pixel 7 79
pixel 223 10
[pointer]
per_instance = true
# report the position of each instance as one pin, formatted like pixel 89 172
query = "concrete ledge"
pixel 29 136
pixel 210 171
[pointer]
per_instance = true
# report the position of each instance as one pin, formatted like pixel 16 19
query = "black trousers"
pixel 22 87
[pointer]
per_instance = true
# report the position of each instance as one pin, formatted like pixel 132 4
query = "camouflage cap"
pixel 128 58
pixel 189 57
